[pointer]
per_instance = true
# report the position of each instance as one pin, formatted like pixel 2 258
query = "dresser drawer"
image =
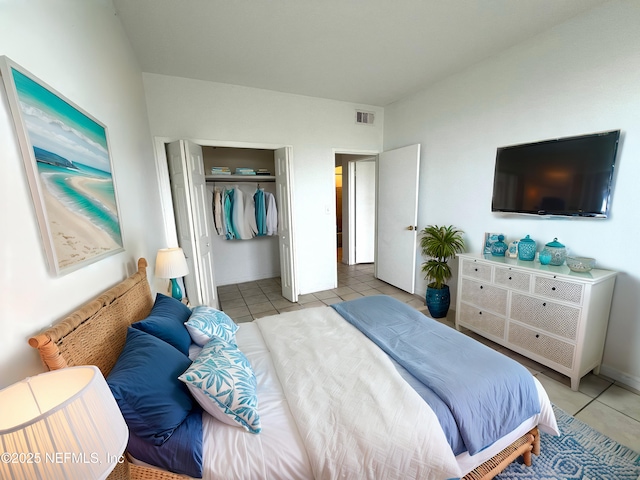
pixel 557 351
pixel 478 270
pixel 482 320
pixel 558 289
pixel 561 320
pixel 484 295
pixel 512 279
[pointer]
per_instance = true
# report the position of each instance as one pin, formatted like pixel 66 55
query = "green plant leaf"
pixel 438 245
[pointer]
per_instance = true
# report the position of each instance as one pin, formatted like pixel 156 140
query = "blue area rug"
pixel 579 453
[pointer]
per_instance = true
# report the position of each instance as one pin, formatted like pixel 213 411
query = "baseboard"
pixel 622 377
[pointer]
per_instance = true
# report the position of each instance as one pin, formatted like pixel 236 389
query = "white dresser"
pixel 550 314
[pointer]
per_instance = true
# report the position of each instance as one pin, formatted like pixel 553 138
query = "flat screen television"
pixel 569 176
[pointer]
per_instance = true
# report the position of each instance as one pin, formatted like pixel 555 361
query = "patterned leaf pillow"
pixel 206 322
pixel 223 383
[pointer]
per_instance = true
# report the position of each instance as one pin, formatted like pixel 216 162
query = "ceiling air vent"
pixel 364 118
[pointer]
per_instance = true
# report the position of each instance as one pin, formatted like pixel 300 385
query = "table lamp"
pixel 171 263
pixel 61 424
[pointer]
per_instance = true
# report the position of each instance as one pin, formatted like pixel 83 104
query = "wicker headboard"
pixel 95 333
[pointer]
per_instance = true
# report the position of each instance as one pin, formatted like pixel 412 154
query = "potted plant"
pixel 439 244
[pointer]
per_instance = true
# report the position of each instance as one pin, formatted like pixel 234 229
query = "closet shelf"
pixel 240 178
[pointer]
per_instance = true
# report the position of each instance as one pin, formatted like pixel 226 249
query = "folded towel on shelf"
pixel 245 171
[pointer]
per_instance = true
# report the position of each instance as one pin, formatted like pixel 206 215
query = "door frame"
pixel 372 154
pixel 164 184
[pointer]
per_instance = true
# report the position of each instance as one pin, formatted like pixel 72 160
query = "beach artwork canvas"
pixel 68 166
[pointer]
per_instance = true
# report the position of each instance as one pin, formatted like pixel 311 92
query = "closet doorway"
pixel 188 213
pixel 355 208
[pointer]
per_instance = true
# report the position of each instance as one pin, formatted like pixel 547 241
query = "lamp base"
pixel 176 291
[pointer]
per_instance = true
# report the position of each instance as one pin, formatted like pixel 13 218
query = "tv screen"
pixel 567 176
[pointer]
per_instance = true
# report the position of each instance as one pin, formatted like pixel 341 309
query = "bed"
pixel 329 401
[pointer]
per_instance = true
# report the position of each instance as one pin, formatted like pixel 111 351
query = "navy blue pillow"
pixel 182 453
pixel 166 321
pixel 144 382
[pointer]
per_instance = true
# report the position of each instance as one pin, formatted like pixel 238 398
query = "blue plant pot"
pixel 438 301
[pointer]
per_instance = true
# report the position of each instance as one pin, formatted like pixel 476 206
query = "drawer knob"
pixel 476 269
pixel 509 278
pixel 479 313
pixel 544 304
pixel 537 335
pixel 481 287
pixel 553 289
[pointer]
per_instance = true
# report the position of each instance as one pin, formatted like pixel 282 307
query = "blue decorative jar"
pixel 558 252
pixel 527 249
pixel 499 248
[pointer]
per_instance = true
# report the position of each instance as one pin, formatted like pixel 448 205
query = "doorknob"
pixel 411 227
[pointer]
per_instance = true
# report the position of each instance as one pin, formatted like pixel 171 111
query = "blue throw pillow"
pixel 223 383
pixel 182 453
pixel 207 322
pixel 166 321
pixel 144 382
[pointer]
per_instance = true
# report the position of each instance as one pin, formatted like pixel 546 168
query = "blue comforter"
pixel 478 394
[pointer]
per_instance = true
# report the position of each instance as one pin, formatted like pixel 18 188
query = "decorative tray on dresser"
pixel 547 313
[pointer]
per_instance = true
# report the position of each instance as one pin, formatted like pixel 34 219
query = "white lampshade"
pixel 61 424
pixel 171 263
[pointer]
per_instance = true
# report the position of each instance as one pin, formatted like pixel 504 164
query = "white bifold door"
pixel 397 217
pixel 193 211
pixel 284 182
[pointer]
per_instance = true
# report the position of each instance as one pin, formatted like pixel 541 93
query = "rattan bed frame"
pixel 95 335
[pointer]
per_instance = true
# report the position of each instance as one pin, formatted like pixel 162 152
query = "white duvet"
pixel 333 406
pixel 357 417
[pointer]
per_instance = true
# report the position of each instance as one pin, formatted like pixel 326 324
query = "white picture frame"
pixel 69 170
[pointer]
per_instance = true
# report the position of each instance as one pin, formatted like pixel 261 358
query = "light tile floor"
pixel 608 406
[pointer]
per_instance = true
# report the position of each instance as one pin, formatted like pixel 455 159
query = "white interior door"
pixel 365 210
pixel 397 217
pixel 284 184
pixel 202 215
pixel 193 211
pixel 177 164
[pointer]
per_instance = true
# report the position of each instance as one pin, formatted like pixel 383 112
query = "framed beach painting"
pixel 69 170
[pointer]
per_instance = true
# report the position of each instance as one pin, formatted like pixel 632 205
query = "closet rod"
pixel 215 184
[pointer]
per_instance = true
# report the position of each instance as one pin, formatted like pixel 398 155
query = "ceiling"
pixel 371 52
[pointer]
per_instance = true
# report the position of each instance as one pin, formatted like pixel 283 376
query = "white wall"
pixel 78 48
pixel 197 110
pixel 581 77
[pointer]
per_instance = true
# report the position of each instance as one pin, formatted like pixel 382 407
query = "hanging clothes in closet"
pixel 243 212
pixel 218 212
pixel 261 211
pixel 271 214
